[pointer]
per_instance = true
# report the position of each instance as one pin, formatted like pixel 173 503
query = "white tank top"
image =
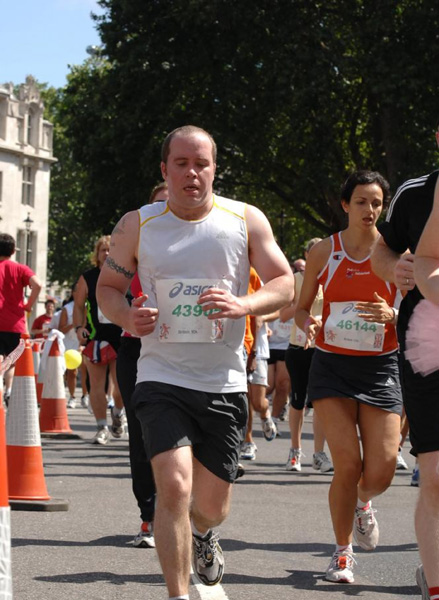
pixel 177 259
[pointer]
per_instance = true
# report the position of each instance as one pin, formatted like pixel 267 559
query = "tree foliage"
pixel 71 234
pixel 296 94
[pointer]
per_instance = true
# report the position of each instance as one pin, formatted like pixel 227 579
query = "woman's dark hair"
pixel 7 244
pixel 365 178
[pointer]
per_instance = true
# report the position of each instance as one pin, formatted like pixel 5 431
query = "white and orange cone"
pixel 5 511
pixel 25 457
pixel 53 414
pixel 27 486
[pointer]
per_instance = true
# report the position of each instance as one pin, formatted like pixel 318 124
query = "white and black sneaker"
pixel 320 462
pixel 207 559
pixel 145 537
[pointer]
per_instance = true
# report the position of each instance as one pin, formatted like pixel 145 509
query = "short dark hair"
pixel 156 189
pixel 7 244
pixel 186 130
pixel 50 301
pixel 364 177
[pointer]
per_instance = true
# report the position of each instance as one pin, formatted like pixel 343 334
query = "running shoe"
pixel 118 424
pixel 401 465
pixel 102 436
pixel 110 402
pixel 71 402
pixel 248 451
pixel 415 477
pixel 269 429
pixel 207 559
pixel 341 568
pixel 85 401
pixel 422 583
pixel 293 462
pixel 240 471
pixel 366 530
pixel 284 413
pixel 276 424
pixel 320 462
pixel 145 537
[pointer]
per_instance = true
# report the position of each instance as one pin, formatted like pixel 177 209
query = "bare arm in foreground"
pixel 427 255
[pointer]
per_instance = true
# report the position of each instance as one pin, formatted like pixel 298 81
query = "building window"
pixel 29 128
pixel 27 189
pixel 25 249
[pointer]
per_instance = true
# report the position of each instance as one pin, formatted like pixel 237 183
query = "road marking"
pixel 214 592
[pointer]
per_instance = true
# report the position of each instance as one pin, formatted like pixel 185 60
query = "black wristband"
pixel 78 327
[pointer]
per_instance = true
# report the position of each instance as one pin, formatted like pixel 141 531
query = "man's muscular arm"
pixel 393 267
pixel 115 278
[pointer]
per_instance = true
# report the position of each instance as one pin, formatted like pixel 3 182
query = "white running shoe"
pixel 102 436
pixel 207 559
pixel 401 465
pixel 422 583
pixel 341 568
pixel 71 402
pixel 248 451
pixel 366 530
pixel 293 462
pixel 118 424
pixel 320 462
pixel 145 537
pixel 269 428
pixel 85 401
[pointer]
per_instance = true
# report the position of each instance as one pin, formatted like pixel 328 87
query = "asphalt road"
pixel 277 540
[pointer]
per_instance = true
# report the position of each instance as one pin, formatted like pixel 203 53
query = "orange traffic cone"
pixel 54 421
pixel 27 486
pixel 5 511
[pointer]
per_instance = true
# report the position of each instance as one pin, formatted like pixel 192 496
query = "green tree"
pixel 71 235
pixel 296 94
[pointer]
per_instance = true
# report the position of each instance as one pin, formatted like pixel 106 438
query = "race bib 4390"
pixel 181 319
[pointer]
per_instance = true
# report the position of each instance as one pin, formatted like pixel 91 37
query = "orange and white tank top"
pixel 345 282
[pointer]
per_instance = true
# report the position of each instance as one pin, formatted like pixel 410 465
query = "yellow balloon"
pixel 73 359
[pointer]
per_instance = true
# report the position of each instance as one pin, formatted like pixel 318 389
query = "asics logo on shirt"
pixel 188 290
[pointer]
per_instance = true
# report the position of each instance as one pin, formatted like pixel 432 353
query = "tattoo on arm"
pixel 113 265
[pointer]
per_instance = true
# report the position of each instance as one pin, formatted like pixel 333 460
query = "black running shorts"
pixel 421 402
pixel 213 424
pixel 372 380
pixel 8 342
pixel 298 362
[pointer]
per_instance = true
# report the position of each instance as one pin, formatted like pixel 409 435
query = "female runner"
pixel 354 378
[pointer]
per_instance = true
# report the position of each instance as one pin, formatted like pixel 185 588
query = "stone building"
pixel 26 155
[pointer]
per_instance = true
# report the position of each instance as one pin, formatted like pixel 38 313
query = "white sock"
pixel 117 411
pixel 198 533
pixel 101 422
pixel 347 548
pixel 361 504
pixel 185 597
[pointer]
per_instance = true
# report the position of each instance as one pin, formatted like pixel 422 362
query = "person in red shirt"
pixel 14 278
pixel 39 326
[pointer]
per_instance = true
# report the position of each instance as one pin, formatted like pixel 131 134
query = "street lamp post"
pixel 28 223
